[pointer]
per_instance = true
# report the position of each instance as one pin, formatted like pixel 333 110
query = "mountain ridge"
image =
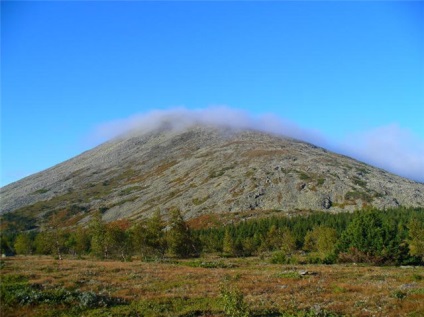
pixel 206 169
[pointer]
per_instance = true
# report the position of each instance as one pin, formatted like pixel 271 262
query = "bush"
pixel 278 258
pixel 233 303
pixel 314 258
pixel 330 259
pixel 15 290
pixel 281 258
pixel 356 256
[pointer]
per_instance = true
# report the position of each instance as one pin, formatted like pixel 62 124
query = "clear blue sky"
pixel 350 70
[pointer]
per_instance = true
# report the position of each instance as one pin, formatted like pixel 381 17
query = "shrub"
pixel 15 290
pixel 354 195
pixel 417 277
pixel 278 258
pixel 281 258
pixel 400 295
pixel 233 303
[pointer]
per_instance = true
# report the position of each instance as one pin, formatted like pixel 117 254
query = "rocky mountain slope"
pixel 203 170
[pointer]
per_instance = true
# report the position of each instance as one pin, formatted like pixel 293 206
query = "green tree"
pixel 228 248
pixel 58 240
pixel 288 242
pixel 52 242
pixel 23 244
pixel 249 246
pixel 97 231
pixel 364 233
pixel 70 243
pixel 6 244
pixel 117 241
pixel 416 238
pixel 364 237
pixel 322 240
pixel 82 241
pixel 42 243
pixel 239 247
pixel 179 237
pixel 56 235
pixel 149 238
pixel 272 240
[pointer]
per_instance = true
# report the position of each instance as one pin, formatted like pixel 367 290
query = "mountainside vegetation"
pixel 215 190
pixel 323 264
pixel 371 236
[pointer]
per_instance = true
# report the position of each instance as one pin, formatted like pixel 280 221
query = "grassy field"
pixel 42 286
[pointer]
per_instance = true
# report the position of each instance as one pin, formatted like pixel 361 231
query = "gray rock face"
pixel 204 170
pixel 326 203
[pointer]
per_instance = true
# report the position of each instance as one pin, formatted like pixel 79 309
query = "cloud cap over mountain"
pixel 390 147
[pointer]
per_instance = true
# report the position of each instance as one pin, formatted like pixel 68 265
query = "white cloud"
pixel 390 147
pixel 180 118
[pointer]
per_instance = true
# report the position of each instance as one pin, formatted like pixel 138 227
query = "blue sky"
pixel 350 72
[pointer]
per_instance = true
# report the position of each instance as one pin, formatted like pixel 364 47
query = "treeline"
pixel 151 239
pixel 393 237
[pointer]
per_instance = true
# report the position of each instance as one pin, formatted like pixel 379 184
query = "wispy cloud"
pixel 391 147
pixel 180 118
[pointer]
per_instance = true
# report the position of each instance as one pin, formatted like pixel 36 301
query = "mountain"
pixel 203 170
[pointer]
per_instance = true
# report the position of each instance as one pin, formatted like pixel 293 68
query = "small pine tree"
pixel 228 244
pixel 288 242
pixel 273 239
pixel 364 233
pixel 179 237
pixel 416 238
pixel 249 247
pixel 149 239
pixel 233 302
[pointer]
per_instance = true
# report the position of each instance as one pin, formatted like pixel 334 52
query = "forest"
pixel 377 237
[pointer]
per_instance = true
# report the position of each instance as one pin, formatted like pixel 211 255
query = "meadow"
pixel 208 286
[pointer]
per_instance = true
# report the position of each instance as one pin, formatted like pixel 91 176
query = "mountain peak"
pixel 203 169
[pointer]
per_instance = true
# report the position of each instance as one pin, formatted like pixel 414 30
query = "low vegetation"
pixel 43 286
pixel 317 265
pixel 391 237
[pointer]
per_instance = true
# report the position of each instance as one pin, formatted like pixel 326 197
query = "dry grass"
pixel 342 289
